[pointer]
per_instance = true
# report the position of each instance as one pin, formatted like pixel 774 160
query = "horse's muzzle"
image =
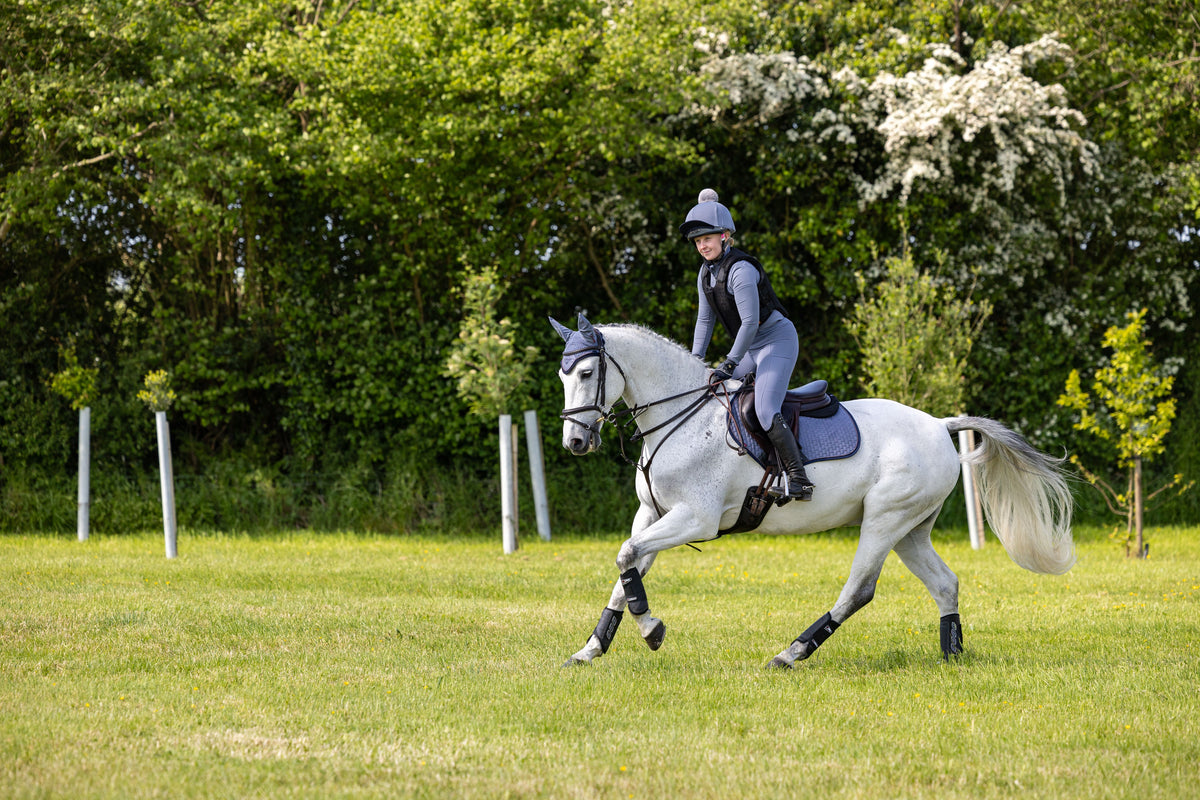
pixel 581 446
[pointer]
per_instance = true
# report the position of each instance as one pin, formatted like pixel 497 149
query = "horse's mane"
pixel 668 343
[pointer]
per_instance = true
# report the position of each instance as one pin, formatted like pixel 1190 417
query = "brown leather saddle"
pixel 824 428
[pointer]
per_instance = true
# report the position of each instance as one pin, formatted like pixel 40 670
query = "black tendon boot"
pixel 796 484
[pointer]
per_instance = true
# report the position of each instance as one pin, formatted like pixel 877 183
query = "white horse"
pixel 691 483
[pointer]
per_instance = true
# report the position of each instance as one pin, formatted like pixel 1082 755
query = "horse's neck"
pixel 655 368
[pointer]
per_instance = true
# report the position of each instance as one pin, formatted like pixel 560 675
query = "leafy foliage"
pixel 274 201
pixel 488 372
pixel 1133 407
pixel 157 395
pixel 915 337
pixel 75 382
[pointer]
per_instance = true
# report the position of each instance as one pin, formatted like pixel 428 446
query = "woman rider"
pixel 734 288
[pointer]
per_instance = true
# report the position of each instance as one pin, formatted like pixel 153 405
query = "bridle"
pixel 603 411
pixel 629 414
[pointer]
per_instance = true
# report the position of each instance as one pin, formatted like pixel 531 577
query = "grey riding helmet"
pixel 707 216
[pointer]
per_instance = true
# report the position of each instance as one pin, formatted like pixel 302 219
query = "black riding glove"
pixel 723 372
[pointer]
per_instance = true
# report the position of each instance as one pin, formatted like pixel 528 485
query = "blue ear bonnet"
pixel 580 346
pixel 583 343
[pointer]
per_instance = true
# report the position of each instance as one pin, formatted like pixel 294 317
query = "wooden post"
pixel 966 443
pixel 508 484
pixel 85 480
pixel 167 477
pixel 537 473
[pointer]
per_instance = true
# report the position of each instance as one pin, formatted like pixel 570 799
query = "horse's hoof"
pixel 656 636
pixel 575 662
pixel 778 663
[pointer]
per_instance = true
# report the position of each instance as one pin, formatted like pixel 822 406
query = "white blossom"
pixel 933 115
pixel 767 84
pixel 983 130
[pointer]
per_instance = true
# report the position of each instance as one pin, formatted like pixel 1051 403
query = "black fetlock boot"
pixel 796 485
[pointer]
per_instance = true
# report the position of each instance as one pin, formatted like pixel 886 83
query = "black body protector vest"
pixel 721 301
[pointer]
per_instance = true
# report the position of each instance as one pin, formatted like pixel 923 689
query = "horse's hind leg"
pixel 858 590
pixel 917 553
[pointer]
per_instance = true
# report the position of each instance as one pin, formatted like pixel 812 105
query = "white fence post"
pixel 508 484
pixel 966 443
pixel 537 473
pixel 167 477
pixel 85 479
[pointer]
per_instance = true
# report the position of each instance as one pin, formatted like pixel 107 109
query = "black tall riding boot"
pixel 796 484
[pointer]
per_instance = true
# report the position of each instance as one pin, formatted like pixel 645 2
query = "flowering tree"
pixel 979 135
pixel 1133 409
pixel 980 149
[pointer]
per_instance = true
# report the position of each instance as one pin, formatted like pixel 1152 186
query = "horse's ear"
pixel 563 330
pixel 585 327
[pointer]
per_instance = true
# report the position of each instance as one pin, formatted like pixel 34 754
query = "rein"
pixel 632 413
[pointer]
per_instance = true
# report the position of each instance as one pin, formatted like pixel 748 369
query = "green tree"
pixel 1133 409
pixel 915 336
pixel 274 200
pixel 1136 76
pixel 962 120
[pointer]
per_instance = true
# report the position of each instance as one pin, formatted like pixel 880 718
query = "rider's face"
pixel 710 245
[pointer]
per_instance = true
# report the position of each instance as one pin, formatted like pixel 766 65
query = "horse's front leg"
pixel 678 526
pixel 637 554
pixel 610 618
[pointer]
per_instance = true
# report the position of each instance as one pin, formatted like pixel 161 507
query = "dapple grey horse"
pixel 691 484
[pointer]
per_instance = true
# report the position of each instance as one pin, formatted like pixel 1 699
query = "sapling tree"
pixel 491 374
pixel 1133 409
pixel 77 383
pixel 915 336
pixel 158 396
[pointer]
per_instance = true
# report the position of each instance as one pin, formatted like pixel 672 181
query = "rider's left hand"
pixel 723 372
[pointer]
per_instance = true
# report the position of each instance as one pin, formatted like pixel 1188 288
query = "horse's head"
pixel 590 387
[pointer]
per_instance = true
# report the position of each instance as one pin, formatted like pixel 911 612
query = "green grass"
pixel 343 665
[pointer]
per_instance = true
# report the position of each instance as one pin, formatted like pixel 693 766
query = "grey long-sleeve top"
pixel 743 284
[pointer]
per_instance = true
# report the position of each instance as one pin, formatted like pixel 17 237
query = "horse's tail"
pixel 1026 498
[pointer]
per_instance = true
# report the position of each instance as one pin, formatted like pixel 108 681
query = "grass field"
pixel 354 666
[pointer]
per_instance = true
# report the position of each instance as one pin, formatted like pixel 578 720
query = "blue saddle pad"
pixel 821 438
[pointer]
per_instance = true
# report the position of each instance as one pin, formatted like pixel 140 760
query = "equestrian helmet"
pixel 707 216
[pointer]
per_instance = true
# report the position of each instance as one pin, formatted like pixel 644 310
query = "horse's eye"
pixel 584 374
